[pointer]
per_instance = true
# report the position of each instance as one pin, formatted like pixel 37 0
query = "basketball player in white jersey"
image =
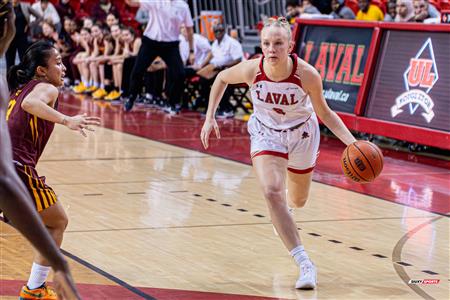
pixel 284 131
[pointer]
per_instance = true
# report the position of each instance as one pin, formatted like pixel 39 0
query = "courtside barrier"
pixel 388 79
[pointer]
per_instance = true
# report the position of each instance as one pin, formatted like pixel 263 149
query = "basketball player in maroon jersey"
pixel 31 116
pixel 14 198
pixel 286 95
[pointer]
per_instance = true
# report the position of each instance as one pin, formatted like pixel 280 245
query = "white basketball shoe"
pixel 307 279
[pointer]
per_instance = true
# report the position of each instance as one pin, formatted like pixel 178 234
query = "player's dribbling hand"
pixel 64 286
pixel 206 131
pixel 81 123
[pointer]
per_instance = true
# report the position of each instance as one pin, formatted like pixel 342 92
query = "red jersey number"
pixel 279 111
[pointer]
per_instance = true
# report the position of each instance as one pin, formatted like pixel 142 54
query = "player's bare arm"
pixel 40 103
pixel 312 83
pixel 242 72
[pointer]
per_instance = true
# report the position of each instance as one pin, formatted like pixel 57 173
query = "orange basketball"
pixel 362 161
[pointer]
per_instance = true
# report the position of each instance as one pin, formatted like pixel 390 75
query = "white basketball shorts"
pixel 300 146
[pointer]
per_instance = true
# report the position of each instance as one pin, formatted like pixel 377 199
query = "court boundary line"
pixel 228 225
pixel 145 181
pixel 397 254
pixel 109 276
pixel 122 158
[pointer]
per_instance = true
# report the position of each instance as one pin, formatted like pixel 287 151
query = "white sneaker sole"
pixel 306 285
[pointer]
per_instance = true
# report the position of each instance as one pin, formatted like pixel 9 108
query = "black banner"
pixel 412 80
pixel 340 56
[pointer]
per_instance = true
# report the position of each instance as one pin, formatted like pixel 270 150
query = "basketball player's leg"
pixel 303 150
pixel 93 69
pixel 55 220
pixel 101 74
pixel 298 188
pixel 119 74
pixel 303 154
pixel 271 173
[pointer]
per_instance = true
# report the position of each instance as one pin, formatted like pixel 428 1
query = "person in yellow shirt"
pixel 369 12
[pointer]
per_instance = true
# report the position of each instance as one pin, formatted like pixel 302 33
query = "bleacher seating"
pixel 439 4
pixel 353 4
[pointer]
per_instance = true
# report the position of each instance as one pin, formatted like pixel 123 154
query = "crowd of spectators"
pixel 426 11
pixel 99 42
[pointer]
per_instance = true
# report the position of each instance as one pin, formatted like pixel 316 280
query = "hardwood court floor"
pixel 150 220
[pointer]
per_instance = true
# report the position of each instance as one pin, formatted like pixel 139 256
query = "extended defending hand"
pixel 206 131
pixel 81 123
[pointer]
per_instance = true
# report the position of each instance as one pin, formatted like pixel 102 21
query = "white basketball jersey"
pixel 280 104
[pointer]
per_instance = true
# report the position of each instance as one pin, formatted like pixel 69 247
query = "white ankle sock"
pixel 38 276
pixel 299 254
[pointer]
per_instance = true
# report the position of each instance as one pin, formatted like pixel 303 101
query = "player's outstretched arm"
pixel 40 103
pixel 312 83
pixel 243 72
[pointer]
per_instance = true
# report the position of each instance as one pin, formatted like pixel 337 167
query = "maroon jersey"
pixel 29 134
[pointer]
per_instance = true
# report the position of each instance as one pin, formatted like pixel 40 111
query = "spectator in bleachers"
pixel 99 63
pixel 161 38
pixel 422 11
pixel 49 32
pixel 391 12
pixel 368 11
pixel 64 9
pixel 112 47
pixel 202 51
pixel 309 8
pixel 226 53
pixel 101 10
pixel 128 45
pixel 293 10
pixel 405 11
pixel 48 12
pixel 68 47
pixel 98 50
pixel 88 23
pixel 432 10
pixel 341 11
pixel 85 41
pixel 202 55
pixel 111 20
pixel 19 44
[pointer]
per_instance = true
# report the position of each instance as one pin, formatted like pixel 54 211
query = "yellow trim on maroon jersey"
pixel 32 130
pixel 11 105
pixel 42 191
pixel 36 128
pixel 48 192
pixel 36 196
